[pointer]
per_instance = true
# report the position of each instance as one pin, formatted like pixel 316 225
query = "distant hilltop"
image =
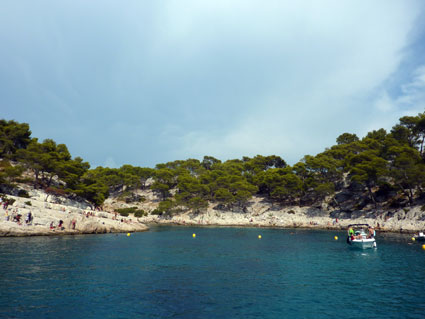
pixel 378 177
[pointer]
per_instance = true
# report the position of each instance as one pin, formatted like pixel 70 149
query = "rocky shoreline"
pixel 79 218
pixel 262 214
pixel 281 221
pixel 50 218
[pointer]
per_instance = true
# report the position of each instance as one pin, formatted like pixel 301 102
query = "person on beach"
pixel 28 219
pixel 52 226
pixel 18 219
pixel 73 223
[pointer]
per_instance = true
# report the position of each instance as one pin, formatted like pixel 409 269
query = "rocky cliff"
pixel 52 215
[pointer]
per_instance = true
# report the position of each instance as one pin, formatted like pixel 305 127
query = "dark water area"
pixel 222 273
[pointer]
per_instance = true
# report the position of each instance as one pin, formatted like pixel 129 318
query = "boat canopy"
pixel 358 225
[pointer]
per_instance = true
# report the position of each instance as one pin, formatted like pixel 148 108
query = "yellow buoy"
pixel 413 239
pixel 423 246
pixel 194 235
pixel 259 236
pixel 128 234
pixel 336 237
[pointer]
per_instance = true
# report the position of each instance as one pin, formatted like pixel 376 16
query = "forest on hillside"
pixel 389 165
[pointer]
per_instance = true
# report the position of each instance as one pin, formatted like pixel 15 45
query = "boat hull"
pixel 363 243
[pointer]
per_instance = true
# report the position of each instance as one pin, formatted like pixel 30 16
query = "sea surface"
pixel 221 273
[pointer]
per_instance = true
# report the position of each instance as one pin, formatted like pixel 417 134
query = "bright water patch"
pixel 222 273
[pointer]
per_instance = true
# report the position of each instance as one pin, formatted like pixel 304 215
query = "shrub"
pixel 156 212
pixel 28 203
pixel 291 212
pixel 140 213
pixel 8 200
pixel 135 198
pixel 55 191
pixel 123 196
pixel 123 213
pixel 165 206
pixel 131 210
pixel 423 208
pixel 23 193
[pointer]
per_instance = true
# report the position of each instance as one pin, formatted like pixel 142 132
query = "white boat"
pixel 361 236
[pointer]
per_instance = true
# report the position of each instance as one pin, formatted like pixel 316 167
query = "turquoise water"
pixel 222 273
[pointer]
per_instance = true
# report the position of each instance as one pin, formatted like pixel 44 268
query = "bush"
pixel 23 193
pixel 131 210
pixel 131 198
pixel 8 200
pixel 423 208
pixel 56 191
pixel 124 211
pixel 140 213
pixel 28 203
pixel 156 212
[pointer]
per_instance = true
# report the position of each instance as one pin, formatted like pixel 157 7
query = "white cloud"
pixel 385 104
pixel 248 139
pixel 186 78
pixel 388 110
pixel 413 92
pixel 317 67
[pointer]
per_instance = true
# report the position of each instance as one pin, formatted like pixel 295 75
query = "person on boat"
pixel 358 235
pixel 351 232
pixel 371 232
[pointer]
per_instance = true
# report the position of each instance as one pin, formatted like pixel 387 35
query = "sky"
pixel 148 82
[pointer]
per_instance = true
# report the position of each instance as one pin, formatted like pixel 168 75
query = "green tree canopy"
pixel 346 138
pixel 13 136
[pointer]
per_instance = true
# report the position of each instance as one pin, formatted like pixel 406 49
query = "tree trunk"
pixel 36 172
pixel 410 195
pixel 50 180
pixel 372 197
